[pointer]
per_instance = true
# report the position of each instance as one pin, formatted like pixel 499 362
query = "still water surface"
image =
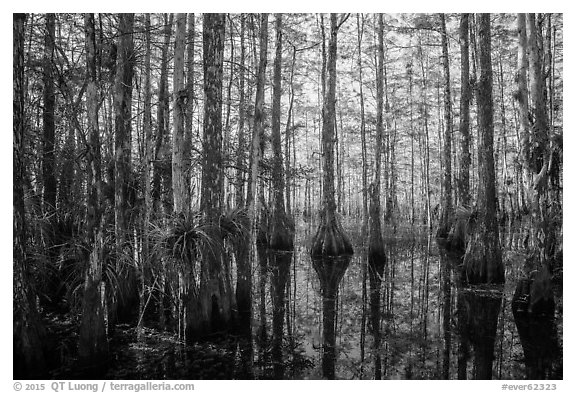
pixel 431 327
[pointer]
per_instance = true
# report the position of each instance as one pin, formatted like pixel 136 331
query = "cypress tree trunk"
pixel 122 307
pixel 444 225
pixel 27 330
pixel 281 237
pixel 360 28
pixel 483 259
pixel 289 124
pixel 214 287
pixel 93 344
pixel 181 193
pixel 255 155
pixel 465 95
pixel 282 228
pixel 330 239
pixel 48 163
pixel 522 98
pixel 244 273
pixel 48 177
pixel 258 128
pixel 539 155
pixel 190 98
pixel 241 155
pixel 161 175
pixel 122 135
pixel 376 252
pixel 149 151
pixel 331 250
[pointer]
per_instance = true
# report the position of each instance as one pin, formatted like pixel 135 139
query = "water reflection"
pixel 446 285
pixel 430 326
pixel 330 271
pixel 538 334
pixel 280 262
pixel 478 311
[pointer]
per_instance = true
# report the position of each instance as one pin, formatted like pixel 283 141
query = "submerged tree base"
pixel 454 237
pixel 534 318
pixel 330 239
pixel 483 260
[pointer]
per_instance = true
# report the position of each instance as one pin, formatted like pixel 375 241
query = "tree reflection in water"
pixel 330 271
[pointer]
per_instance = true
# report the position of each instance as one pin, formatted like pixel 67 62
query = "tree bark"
pixel 48 162
pixel 282 228
pixel 330 239
pixel 190 98
pixel 483 259
pixel 376 251
pixel 122 135
pixel 241 155
pixel 48 176
pixel 464 128
pixel 162 118
pixel 444 225
pixel 181 193
pixel 258 127
pixel 93 344
pixel 215 291
pixel 27 332
pixel 148 157
pixel 123 204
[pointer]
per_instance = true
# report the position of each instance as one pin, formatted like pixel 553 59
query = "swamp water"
pixel 431 327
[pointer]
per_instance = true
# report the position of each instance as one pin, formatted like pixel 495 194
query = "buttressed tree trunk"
pixel 216 294
pixel 483 259
pixel 331 250
pixel 330 239
pixel 27 331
